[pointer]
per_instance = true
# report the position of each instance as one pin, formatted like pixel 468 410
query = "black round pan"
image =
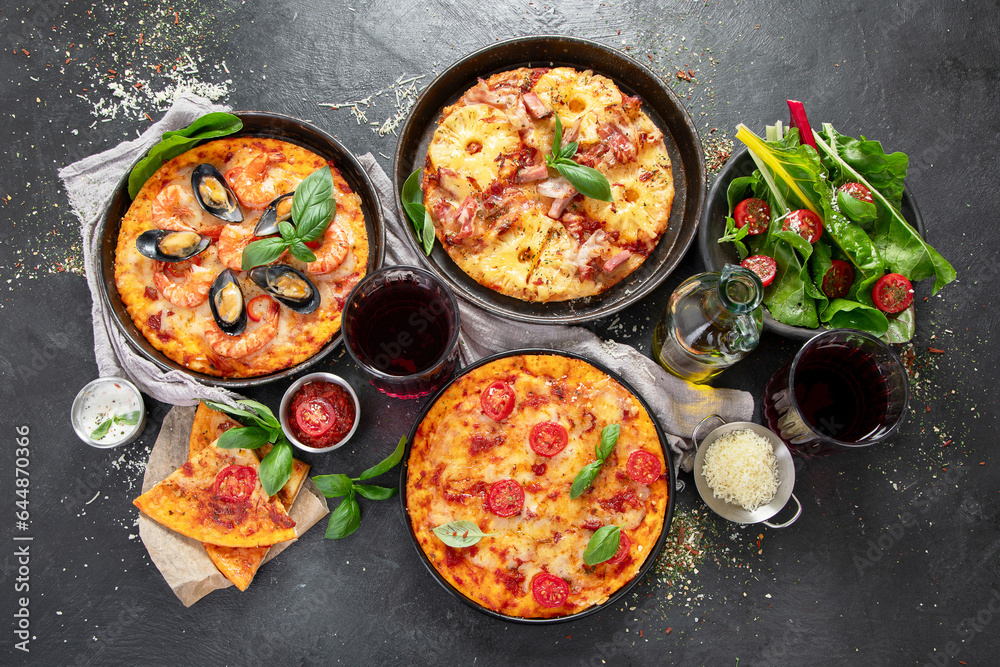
pixel 658 101
pixel 617 595
pixel 255 124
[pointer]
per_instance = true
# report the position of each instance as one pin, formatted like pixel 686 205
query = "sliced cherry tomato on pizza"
pixel 643 467
pixel 258 306
pixel 549 590
pixel 548 438
pixel 858 191
pixel 624 545
pixel 838 279
pixel 497 400
pixel 315 416
pixel 805 223
pixel 763 266
pixel 893 293
pixel 753 212
pixel 505 498
pixel 235 484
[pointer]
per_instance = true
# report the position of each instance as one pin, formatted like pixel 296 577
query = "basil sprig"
pixel 603 545
pixel 175 142
pixel 460 534
pixel 590 182
pixel 413 204
pixel 603 449
pixel 347 517
pixel 128 419
pixel 276 467
pixel 313 207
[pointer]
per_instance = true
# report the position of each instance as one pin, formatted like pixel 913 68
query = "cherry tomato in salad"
pixel 857 190
pixel 643 467
pixel 838 279
pixel 315 416
pixel 235 484
pixel 753 212
pixel 763 266
pixel 893 293
pixel 548 438
pixel 497 400
pixel 805 223
pixel 624 544
pixel 549 590
pixel 258 306
pixel 505 498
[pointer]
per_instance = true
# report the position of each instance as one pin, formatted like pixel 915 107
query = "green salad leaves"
pixel 873 237
pixel 175 142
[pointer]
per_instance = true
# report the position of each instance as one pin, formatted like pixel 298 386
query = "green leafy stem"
pixel 603 449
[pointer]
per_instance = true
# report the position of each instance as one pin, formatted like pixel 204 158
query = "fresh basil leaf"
pixel 263 252
pixel 428 233
pixel 175 142
pixel 230 410
pixel 460 534
pixel 246 437
pixel 603 545
pixel 412 199
pixel 315 188
pixel 589 182
pixel 411 194
pixel 585 478
pixel 101 430
pixel 333 486
pixel 128 419
pixel 263 412
pixel 857 211
pixel 314 220
pixel 375 492
pixel 276 467
pixel 569 150
pixel 386 464
pixel 301 251
pixel 557 138
pixel 609 436
pixel 287 230
pixel 344 520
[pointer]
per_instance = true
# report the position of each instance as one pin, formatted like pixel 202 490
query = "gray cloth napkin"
pixel 678 405
pixel 91 183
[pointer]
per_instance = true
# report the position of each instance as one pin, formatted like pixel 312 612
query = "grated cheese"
pixel 740 468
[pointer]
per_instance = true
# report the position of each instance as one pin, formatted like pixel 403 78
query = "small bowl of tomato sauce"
pixel 319 412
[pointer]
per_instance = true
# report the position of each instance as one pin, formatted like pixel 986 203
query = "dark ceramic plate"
pixel 617 595
pixel 659 102
pixel 713 226
pixel 255 124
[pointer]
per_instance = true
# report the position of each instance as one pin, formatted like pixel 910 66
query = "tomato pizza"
pixel 501 448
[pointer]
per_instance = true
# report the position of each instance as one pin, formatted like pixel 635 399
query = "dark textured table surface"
pixel 895 559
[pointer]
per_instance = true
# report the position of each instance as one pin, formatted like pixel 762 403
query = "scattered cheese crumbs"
pixel 740 468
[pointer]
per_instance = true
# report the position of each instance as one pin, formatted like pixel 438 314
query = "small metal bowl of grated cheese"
pixel 744 472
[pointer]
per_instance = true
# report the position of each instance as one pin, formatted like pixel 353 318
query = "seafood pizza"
pixel 178 262
pixel 515 225
pixel 501 448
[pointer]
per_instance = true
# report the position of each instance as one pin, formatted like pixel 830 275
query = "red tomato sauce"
pixel 343 413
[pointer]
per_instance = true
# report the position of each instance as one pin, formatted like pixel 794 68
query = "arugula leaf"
pixel 386 464
pixel 603 545
pixel 247 437
pixel 101 430
pixel 375 492
pixel 413 205
pixel 344 520
pixel 175 142
pixel 460 534
pixel 333 486
pixel 276 467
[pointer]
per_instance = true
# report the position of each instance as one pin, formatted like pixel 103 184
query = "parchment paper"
pixel 181 560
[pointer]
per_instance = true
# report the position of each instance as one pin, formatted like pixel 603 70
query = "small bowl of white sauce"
pixel 108 412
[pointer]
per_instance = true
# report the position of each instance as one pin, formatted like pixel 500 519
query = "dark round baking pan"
pixel 713 226
pixel 658 101
pixel 255 124
pixel 617 595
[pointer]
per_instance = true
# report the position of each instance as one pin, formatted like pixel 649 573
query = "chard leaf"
pixel 846 314
pixel 901 327
pixel 855 210
pixel 791 172
pixel 885 172
pixel 788 298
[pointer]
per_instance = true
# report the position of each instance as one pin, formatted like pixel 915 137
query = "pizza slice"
pixel 217 498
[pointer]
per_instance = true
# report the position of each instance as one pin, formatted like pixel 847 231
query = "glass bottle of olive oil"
pixel 711 321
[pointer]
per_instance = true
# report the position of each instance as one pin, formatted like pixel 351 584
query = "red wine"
pixel 841 392
pixel 400 331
